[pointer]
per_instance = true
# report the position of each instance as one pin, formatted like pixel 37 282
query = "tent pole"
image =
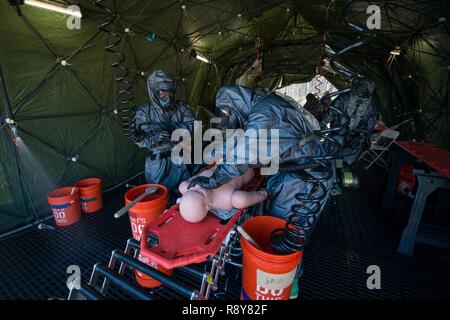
pixel 23 228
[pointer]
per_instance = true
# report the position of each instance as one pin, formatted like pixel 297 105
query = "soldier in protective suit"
pixel 248 109
pixel 155 121
pixel 362 112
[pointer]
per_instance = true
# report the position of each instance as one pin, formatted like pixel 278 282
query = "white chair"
pixel 380 143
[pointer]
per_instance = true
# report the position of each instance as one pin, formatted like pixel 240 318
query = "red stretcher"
pixel 172 242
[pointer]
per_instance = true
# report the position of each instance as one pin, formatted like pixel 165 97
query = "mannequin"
pixel 197 201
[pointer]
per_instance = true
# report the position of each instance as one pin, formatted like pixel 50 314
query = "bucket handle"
pixel 249 238
pixel 125 209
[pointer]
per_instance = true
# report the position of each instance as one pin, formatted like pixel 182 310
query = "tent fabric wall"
pixel 67 111
pixel 415 84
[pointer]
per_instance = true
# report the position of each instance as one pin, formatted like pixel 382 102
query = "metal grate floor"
pixel 349 238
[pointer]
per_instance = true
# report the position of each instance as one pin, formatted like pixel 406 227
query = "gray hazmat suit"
pixel 158 121
pixel 360 107
pixel 254 110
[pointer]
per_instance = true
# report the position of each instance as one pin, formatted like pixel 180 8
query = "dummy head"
pixel 193 207
pixel 161 89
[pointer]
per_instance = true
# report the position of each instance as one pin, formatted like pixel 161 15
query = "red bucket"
pixel 406 179
pixel 142 213
pixel 65 204
pixel 90 194
pixel 266 275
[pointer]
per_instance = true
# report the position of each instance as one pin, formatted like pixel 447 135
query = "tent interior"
pixel 60 122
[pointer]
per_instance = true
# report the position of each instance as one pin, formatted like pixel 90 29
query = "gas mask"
pixel 165 98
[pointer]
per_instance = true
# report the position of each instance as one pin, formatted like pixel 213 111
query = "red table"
pixel 436 158
pixel 427 182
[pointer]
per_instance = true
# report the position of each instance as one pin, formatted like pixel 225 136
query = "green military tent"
pixel 59 88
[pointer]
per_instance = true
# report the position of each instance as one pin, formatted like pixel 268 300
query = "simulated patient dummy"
pixel 223 201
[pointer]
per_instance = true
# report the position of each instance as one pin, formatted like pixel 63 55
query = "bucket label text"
pixel 272 286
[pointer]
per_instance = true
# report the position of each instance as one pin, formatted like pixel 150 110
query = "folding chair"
pixel 381 143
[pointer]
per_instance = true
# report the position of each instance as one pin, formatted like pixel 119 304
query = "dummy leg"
pixel 244 199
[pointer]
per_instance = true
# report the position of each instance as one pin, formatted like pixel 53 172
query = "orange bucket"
pixel 90 194
pixel 65 204
pixel 266 275
pixel 142 213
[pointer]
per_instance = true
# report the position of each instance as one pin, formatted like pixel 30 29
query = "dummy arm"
pixel 244 199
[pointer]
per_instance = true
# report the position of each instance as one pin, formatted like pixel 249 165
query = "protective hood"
pixel 238 100
pixel 159 80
